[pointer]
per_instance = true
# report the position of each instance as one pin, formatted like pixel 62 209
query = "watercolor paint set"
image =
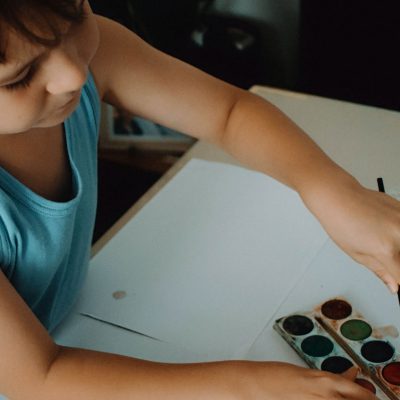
pixel 334 337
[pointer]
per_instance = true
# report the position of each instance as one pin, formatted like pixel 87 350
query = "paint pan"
pixel 308 335
pixel 318 349
pixel 368 347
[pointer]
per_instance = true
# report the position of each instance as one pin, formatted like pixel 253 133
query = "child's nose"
pixel 67 74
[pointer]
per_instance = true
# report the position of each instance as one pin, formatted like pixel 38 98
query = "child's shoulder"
pixel 117 46
pixel 99 65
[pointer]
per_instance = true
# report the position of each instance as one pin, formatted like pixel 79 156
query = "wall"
pixel 279 23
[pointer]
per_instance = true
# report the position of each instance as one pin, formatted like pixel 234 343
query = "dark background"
pixel 349 50
pixel 344 49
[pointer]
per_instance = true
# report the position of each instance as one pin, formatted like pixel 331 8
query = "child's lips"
pixel 63 109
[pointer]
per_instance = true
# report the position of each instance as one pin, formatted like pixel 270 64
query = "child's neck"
pixel 39 160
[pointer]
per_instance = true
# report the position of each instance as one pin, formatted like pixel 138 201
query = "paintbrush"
pixel 381 188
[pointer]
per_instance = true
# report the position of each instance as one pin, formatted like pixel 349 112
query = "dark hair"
pixel 37 20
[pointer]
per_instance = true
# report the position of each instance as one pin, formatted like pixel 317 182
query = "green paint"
pixel 356 329
pixel 317 346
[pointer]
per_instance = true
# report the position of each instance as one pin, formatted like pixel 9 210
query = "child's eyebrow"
pixel 17 72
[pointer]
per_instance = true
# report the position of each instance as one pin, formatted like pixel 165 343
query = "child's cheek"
pixel 18 112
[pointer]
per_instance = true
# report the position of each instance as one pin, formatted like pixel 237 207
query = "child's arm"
pixel 33 367
pixel 134 76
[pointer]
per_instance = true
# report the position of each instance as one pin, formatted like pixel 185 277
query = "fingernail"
pixel 393 287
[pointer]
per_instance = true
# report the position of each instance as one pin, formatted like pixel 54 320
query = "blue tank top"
pixel 45 245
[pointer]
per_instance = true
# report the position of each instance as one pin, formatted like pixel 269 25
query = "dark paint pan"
pixel 377 351
pixel 298 325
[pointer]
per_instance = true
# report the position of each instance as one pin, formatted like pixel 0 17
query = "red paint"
pixel 336 309
pixel 366 385
pixel 392 373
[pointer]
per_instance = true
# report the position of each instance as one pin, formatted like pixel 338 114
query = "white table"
pixel 364 140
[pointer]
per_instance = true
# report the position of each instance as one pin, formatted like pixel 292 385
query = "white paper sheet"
pixel 207 262
pixel 332 273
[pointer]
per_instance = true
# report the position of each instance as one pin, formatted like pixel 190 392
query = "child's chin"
pixel 57 118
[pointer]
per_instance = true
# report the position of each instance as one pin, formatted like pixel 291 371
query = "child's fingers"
pixel 351 373
pixel 389 281
pixel 390 273
pixel 382 270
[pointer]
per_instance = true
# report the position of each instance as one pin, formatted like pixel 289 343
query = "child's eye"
pixel 24 82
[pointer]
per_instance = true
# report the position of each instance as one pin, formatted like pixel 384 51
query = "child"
pixel 57 60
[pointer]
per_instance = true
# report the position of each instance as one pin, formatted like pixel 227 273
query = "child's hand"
pixel 281 381
pixel 365 224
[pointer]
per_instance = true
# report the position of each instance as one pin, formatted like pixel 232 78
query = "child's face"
pixel 44 92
